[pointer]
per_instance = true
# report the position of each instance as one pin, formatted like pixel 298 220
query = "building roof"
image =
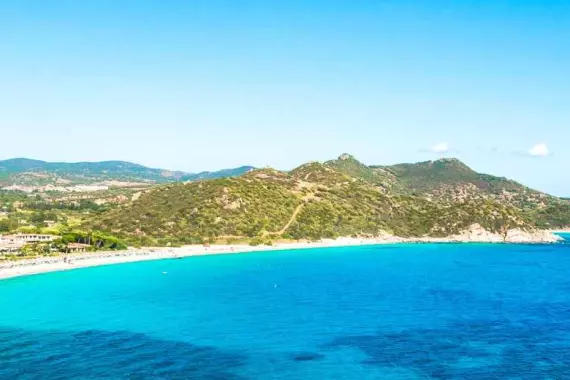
pixel 78 245
pixel 9 245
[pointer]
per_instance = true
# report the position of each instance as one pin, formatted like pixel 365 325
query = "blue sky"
pixel 203 85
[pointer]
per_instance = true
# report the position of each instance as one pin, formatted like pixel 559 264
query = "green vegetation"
pixel 340 197
pixel 202 211
pixel 32 213
pixel 23 171
pixel 90 241
pixel 554 216
pixel 315 172
pixel 97 240
pixel 452 180
pixel 36 249
pixel 350 166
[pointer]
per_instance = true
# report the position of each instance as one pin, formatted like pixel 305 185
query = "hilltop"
pixel 340 197
pixel 450 180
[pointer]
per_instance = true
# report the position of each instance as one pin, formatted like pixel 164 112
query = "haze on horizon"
pixel 206 85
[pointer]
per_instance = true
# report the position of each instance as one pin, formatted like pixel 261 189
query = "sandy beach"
pixel 475 234
pixel 61 263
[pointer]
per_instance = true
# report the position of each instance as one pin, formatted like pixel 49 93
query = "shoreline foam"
pixel 474 234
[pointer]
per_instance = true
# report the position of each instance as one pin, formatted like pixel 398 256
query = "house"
pixel 77 247
pixel 13 243
pixel 32 238
pixel 7 244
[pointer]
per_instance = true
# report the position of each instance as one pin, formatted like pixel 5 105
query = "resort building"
pixel 77 247
pixel 13 243
pixel 7 245
pixel 31 238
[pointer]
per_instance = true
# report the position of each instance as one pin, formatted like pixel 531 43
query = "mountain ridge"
pixel 334 198
pixel 25 171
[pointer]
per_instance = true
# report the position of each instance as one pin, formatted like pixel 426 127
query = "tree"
pixel 36 249
pixel 7 225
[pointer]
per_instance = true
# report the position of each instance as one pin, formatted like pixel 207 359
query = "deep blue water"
pixel 385 312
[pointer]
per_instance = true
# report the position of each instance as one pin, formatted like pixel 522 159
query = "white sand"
pixel 84 260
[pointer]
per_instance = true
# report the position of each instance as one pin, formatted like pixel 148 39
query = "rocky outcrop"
pixel 476 233
pixel 536 236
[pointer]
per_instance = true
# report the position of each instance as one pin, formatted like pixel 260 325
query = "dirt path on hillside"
pixel 286 226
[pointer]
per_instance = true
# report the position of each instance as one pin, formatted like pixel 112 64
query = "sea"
pixel 408 311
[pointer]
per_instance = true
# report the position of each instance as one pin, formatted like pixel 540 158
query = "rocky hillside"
pixel 337 198
pixel 451 181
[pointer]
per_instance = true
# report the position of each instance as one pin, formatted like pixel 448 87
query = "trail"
pixel 291 220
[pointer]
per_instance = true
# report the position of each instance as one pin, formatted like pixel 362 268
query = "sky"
pixel 204 85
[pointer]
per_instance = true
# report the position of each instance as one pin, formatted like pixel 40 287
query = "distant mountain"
pixel 78 170
pixel 15 165
pixel 23 171
pixel 235 172
pixel 336 198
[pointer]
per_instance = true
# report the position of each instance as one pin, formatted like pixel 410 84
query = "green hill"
pixel 224 173
pixel 23 171
pixel 450 180
pixel 337 198
pixel 317 173
pixel 192 212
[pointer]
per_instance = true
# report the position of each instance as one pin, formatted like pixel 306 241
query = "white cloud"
pixel 539 150
pixel 440 148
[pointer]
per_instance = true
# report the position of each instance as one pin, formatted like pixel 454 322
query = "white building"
pixel 30 238
pixel 7 244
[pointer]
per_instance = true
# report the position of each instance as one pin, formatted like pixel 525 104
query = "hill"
pixel 235 172
pixel 350 166
pixel 337 198
pixel 27 172
pixel 450 180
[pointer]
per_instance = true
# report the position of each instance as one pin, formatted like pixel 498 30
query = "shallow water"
pixel 374 312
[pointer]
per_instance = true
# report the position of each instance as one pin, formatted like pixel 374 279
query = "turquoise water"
pixel 375 312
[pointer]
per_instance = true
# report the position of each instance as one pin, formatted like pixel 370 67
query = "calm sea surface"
pixel 383 312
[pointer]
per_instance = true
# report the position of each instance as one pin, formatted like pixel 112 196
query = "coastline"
pixel 41 265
